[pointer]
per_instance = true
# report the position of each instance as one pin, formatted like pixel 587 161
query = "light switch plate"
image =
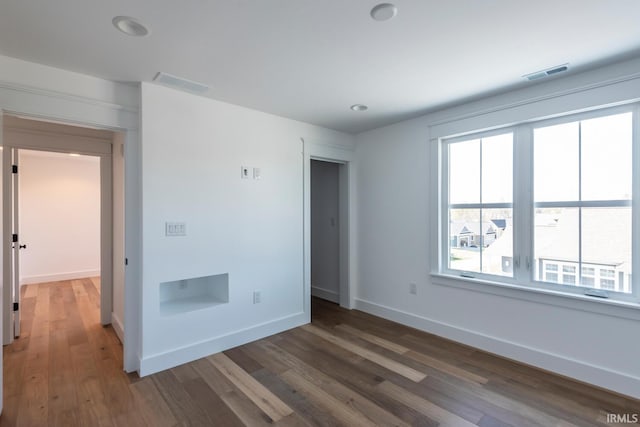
pixel 257 174
pixel 175 229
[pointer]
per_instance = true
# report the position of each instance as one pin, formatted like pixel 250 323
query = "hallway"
pixel 65 369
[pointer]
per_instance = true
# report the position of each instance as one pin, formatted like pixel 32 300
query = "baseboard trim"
pixel 116 324
pixel 161 361
pixel 325 294
pixel 43 278
pixel 581 371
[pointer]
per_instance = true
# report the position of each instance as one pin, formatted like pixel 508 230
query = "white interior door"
pixel 15 247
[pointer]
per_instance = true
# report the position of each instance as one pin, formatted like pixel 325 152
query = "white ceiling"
pixel 311 59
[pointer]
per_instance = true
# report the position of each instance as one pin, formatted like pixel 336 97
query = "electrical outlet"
pixel 257 297
pixel 413 289
pixel 257 173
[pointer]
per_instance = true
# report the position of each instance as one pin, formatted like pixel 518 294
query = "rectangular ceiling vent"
pixel 546 73
pixel 180 83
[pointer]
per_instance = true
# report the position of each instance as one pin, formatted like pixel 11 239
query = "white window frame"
pixel 523 208
pixel 445 203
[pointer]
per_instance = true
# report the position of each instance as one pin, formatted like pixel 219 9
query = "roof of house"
pixel 606 236
pixel 471 227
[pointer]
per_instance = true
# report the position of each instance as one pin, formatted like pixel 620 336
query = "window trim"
pixel 522 201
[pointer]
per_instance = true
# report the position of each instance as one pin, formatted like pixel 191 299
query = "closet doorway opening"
pixel 325 230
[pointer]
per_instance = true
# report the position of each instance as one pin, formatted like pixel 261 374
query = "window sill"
pixel 608 307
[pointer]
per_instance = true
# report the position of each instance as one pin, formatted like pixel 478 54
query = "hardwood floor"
pixel 346 368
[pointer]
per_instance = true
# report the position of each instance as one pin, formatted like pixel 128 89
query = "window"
pixel 588 271
pixel 608 284
pixel 607 273
pixel 480 204
pixel 569 221
pixel 582 176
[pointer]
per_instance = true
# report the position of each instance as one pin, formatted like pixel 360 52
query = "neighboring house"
pixel 470 234
pixel 606 254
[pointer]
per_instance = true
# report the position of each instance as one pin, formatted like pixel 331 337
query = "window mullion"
pixel 481 245
pixel 523 203
pixel 580 199
pixel 443 262
pixel 635 189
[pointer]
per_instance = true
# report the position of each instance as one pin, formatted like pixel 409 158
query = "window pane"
pixel 497 248
pixel 607 273
pixel 556 159
pixel 497 169
pixel 556 240
pixel 551 277
pixel 606 242
pixel 464 239
pixel 609 285
pixel 464 172
pixel 481 246
pixel 606 158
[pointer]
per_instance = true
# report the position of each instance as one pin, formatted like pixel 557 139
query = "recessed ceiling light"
pixel 384 11
pixel 130 26
pixel 359 107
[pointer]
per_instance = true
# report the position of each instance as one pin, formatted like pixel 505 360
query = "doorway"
pixel 59 216
pixel 325 230
pixel 28 143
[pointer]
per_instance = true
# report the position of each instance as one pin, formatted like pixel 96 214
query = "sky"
pixel 606 154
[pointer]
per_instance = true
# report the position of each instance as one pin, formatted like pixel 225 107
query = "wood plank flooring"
pixel 345 369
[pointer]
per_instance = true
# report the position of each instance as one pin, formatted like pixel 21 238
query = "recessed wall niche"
pixel 181 296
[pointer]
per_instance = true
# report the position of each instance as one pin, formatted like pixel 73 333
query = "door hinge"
pixel 126 261
pixel 14 168
pixel 14 238
pixel 16 306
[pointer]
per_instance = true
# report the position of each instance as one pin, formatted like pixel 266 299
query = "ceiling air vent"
pixel 546 73
pixel 180 83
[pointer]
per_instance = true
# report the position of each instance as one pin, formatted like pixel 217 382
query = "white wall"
pixel 325 235
pixel 192 152
pixel 397 200
pixel 59 216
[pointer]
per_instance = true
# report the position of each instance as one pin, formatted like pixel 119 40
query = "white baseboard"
pixel 325 294
pixel 582 371
pixel 116 323
pixel 43 278
pixel 159 362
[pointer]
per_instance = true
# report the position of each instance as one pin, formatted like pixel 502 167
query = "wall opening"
pixel 68 204
pixel 325 230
